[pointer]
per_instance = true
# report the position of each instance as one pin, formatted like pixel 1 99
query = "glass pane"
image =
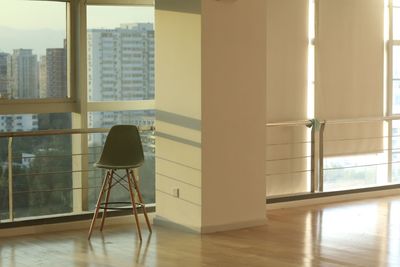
pixel 355 171
pixel 396 80
pixel 396 23
pixel 396 96
pixel 396 152
pixel 96 142
pixel 42 177
pixel 4 214
pixel 396 62
pixel 120 53
pixel 33 55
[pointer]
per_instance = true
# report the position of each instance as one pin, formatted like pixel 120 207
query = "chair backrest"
pixel 123 147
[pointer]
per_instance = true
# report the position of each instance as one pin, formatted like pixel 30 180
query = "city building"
pixel 56 72
pixel 4 57
pixel 121 63
pixel 18 123
pixel 43 77
pixel 24 74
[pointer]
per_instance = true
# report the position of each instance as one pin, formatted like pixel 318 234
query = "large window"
pixel 394 68
pixel 44 85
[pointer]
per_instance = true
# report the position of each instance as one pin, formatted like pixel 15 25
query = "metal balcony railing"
pixel 38 175
pixel 314 156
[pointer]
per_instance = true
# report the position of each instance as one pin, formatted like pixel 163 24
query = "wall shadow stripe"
pixel 179 120
pixel 178 139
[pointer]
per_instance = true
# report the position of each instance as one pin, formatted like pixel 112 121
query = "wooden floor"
pixel 362 233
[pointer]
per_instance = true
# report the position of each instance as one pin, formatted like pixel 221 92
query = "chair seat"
pixel 116 167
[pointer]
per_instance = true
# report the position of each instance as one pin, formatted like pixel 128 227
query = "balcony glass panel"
pixel 41 166
pixel 396 151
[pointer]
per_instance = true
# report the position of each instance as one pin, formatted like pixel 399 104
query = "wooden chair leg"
pixel 141 200
pixel 107 199
pixel 134 205
pixel 98 204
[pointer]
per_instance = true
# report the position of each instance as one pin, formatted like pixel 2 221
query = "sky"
pixel 39 24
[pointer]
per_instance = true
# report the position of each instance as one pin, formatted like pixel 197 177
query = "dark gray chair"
pixel 122 150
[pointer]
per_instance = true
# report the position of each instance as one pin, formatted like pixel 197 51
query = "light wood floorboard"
pixel 361 233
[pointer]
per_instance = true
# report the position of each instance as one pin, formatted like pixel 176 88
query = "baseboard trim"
pixel 232 226
pixel 164 222
pixel 354 196
pixel 161 221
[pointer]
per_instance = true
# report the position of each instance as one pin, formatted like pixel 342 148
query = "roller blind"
pixel 349 72
pixel 287 44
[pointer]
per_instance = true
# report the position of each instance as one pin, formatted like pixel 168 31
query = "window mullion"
pixel 79 118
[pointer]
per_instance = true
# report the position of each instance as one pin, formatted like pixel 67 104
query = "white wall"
pixel 210 100
pixel 178 116
pixel 233 112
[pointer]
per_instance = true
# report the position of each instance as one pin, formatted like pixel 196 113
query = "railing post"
pixel 316 152
pixel 313 165
pixel 321 158
pixel 389 147
pixel 10 180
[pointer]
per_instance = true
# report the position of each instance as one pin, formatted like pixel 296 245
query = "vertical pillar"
pixel 78 91
pixel 210 101
pixel 233 114
pixel 178 112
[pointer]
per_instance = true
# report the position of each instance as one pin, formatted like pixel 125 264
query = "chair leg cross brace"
pixel 106 188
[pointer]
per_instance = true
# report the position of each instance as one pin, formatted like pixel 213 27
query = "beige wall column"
pixel 233 113
pixel 210 82
pixel 178 116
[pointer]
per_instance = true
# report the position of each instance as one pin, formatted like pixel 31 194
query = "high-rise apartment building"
pixel 4 80
pixel 18 123
pixel 24 74
pixel 43 77
pixel 121 63
pixel 56 74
